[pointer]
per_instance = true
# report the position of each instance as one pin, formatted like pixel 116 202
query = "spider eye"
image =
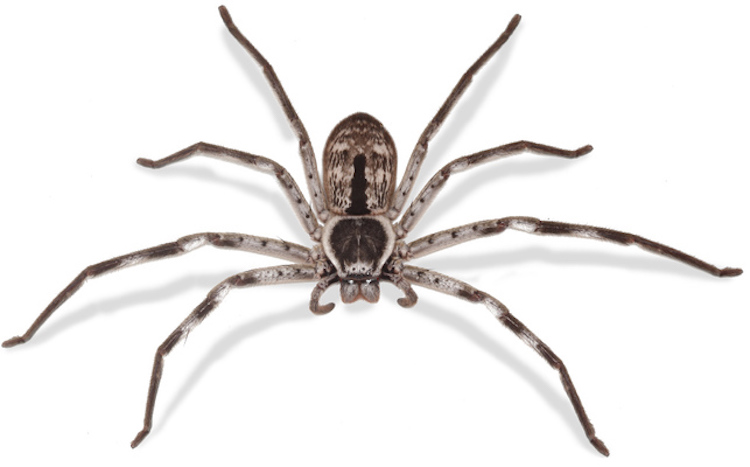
pixel 350 282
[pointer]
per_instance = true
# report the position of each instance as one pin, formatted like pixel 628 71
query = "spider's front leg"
pixel 420 150
pixel 305 147
pixel 456 288
pixel 261 245
pixel 262 276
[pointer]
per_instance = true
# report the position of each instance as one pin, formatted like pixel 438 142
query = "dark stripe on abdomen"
pixel 358 199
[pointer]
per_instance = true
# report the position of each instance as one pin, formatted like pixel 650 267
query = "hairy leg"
pixel 433 187
pixel 265 246
pixel 260 163
pixel 420 150
pixel 262 276
pixel 305 147
pixel 456 288
pixel 447 238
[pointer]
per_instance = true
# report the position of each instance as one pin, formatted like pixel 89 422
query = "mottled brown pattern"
pixel 359 134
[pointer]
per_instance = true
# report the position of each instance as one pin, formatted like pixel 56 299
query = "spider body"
pixel 359 177
pixel 358 221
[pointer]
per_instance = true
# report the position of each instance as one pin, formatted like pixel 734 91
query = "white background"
pixel 658 350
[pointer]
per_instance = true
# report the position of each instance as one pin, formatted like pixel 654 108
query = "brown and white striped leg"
pixel 447 238
pixel 261 245
pixel 433 187
pixel 420 150
pixel 260 163
pixel 262 276
pixel 450 286
pixel 305 147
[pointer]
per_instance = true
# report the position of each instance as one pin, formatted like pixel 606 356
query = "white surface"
pixel 658 350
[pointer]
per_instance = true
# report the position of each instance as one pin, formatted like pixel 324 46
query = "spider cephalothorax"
pixel 358 228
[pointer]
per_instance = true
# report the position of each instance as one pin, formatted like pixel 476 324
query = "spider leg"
pixel 265 246
pixel 305 147
pixel 420 150
pixel 261 276
pixel 447 238
pixel 450 286
pixel 433 187
pixel 317 292
pixel 410 296
pixel 260 163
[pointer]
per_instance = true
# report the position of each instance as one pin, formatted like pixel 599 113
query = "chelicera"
pixel 358 224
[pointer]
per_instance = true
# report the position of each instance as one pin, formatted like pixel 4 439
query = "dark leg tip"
pixel 138 438
pixel 14 341
pixel 145 162
pixel 730 272
pixel 599 445
pixel 407 302
pixel 321 310
pixel 225 15
pixel 584 150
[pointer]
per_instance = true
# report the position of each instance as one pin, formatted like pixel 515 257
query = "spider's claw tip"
pixel 730 272
pixel 13 341
pixel 599 445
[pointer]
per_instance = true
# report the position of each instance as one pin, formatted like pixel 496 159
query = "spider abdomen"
pixel 359 167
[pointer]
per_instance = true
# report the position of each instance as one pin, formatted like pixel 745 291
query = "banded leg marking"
pixel 450 286
pixel 265 246
pixel 433 187
pixel 305 147
pixel 447 238
pixel 262 276
pixel 260 163
pixel 420 150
